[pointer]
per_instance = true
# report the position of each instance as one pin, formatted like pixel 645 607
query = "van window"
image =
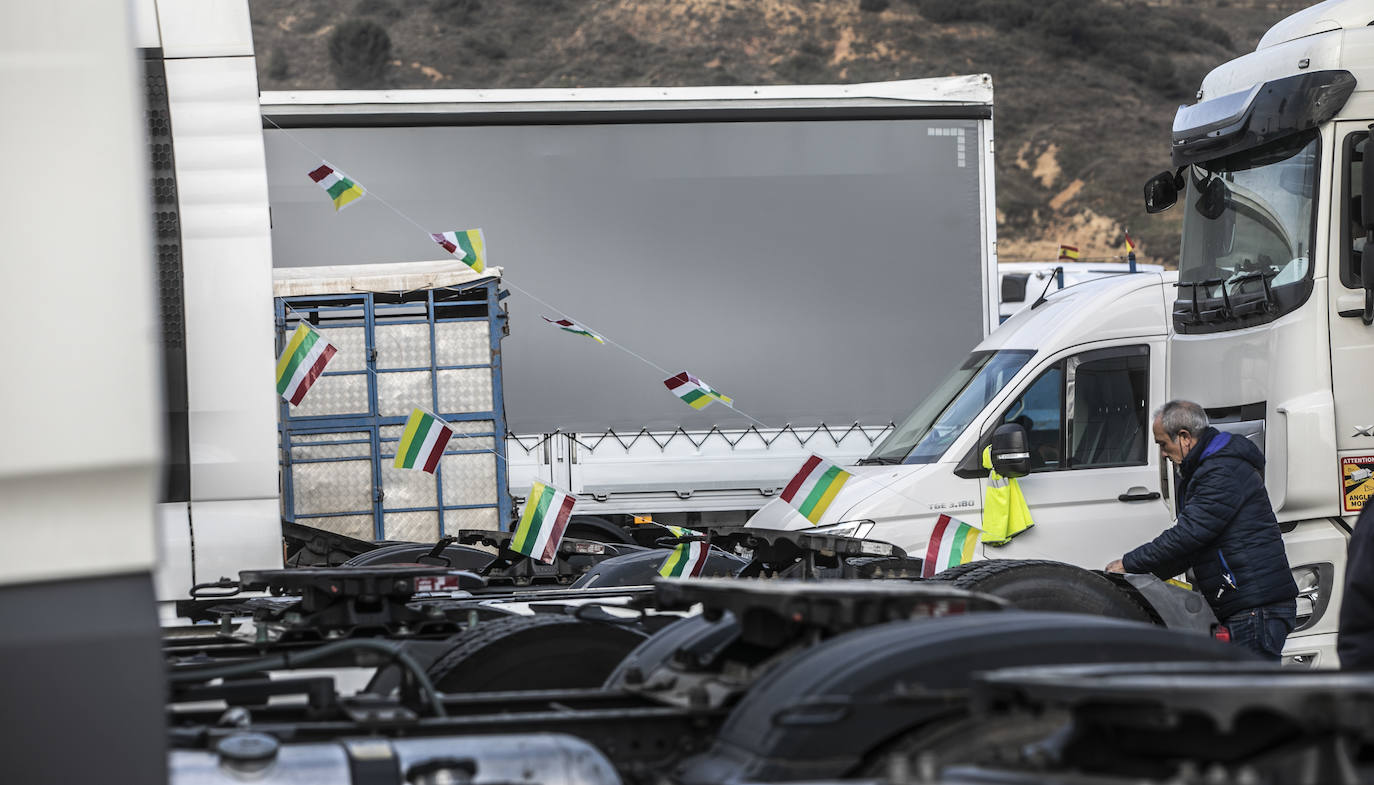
pixel 1014 287
pixel 1040 411
pixel 1107 413
pixel 928 431
pixel 1352 233
pixel 1092 407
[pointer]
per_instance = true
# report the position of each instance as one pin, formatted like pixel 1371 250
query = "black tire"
pixel 459 557
pixel 953 573
pixel 597 529
pixel 1046 586
pixel 539 652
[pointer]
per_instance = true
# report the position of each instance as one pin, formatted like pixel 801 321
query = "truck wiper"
pixel 1196 309
pixel 1270 299
pixel 879 461
pixel 1228 309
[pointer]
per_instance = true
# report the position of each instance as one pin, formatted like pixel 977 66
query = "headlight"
pixel 856 529
pixel 1314 591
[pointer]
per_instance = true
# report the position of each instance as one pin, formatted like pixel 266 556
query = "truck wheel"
pixel 959 571
pixel 538 652
pixel 1046 586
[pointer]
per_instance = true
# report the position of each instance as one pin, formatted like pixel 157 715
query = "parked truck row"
pixel 734 680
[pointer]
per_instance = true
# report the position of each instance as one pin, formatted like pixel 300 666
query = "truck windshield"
pixel 928 431
pixel 1247 236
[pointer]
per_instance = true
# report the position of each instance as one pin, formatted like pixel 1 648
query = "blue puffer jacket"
pixel 1225 527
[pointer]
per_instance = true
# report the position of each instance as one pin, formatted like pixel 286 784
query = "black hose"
pixel 287 660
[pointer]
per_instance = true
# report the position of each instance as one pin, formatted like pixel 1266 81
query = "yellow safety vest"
pixel 1005 512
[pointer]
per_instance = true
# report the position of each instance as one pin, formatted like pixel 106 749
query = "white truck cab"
pixel 1272 331
pixel 1081 371
pixel 1273 321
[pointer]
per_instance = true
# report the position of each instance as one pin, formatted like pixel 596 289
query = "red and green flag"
pixel 574 328
pixel 340 188
pixel 687 560
pixel 814 487
pixel 694 392
pixel 951 544
pixel 543 522
pixel 302 362
pixel 468 245
pixel 422 442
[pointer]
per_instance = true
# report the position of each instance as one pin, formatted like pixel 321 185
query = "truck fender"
pixel 823 712
pixel 1170 606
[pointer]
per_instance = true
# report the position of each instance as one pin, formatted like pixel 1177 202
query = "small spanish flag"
pixel 1130 244
pixel 1068 252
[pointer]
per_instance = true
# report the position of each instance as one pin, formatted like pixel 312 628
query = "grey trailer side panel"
pixel 815 271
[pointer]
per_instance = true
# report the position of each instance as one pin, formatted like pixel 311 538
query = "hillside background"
pixel 1085 90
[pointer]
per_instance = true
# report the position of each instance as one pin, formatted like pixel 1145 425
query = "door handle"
pixel 1138 497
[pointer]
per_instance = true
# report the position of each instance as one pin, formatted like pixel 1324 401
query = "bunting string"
pixel 511 284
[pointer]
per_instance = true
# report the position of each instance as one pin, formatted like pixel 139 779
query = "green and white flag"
pixel 686 561
pixel 573 327
pixel 543 522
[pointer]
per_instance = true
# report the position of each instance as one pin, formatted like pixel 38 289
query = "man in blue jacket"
pixel 1226 532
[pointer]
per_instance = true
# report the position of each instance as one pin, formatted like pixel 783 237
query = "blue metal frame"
pixel 371 422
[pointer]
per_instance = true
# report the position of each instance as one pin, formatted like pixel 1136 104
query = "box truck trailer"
pixel 813 252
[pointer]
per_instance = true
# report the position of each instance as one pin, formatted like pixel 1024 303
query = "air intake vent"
pixel 171 299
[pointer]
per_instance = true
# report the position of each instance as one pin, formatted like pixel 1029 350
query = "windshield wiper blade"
pixel 879 461
pixel 1197 309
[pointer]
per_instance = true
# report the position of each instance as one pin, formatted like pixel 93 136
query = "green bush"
pixel 359 52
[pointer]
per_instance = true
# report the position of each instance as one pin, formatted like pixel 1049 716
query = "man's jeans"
pixel 1263 629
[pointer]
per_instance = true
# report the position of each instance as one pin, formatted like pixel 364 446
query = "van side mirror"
pixel 1161 192
pixel 1011 450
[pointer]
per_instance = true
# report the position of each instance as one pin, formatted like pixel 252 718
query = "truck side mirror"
pixel 1161 192
pixel 1011 451
pixel 1367 187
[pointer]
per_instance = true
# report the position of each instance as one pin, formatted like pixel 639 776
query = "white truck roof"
pixel 974 89
pixel 391 277
pixel 1320 18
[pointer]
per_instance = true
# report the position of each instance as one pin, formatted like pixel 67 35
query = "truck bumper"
pixel 1311 652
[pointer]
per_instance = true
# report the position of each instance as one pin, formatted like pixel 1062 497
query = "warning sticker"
pixel 1357 481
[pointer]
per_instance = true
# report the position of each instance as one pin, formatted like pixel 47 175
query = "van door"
pixel 1094 490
